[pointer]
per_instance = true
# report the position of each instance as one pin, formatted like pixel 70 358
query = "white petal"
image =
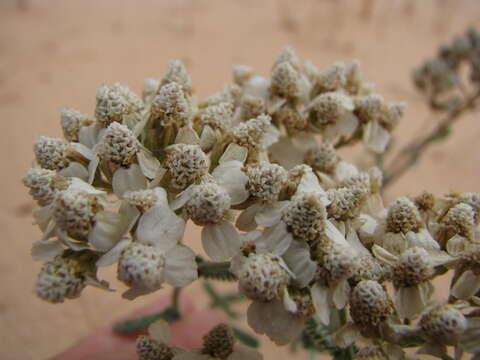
pixel 160 332
pixel 230 176
pixel 75 170
pixel 304 141
pixel 208 138
pixel 321 303
pixel 345 170
pixel 241 352
pixel 112 256
pixel 410 302
pixel 354 241
pixel 186 135
pixel 92 168
pixel 183 197
pixel 42 215
pixel 88 135
pixel 271 136
pixel 83 150
pixel 384 255
pixel 108 230
pixel 456 245
pixel 274 104
pixel 285 153
pixel 277 239
pixel 246 219
pixel 180 266
pixel 422 239
pixel 149 164
pixel 334 234
pixel 257 86
pixel 297 258
pixel 466 285
pixel 347 125
pixel 310 184
pixel 271 318
pixel 131 215
pixel 376 137
pixel 220 241
pixel 160 227
pixel 270 214
pixel 128 180
pixel 341 292
pixel 79 184
pixel 234 152
pixel 46 250
pixel 288 303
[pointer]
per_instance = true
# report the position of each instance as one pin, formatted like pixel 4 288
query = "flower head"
pixel 51 153
pixel 187 164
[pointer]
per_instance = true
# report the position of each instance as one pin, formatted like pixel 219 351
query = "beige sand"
pixel 57 53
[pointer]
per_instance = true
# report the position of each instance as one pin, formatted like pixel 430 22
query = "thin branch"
pixel 411 153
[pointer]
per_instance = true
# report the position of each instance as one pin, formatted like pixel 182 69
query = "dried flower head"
pixel 51 153
pixel 322 158
pixel 443 324
pixel 285 81
pixel 143 199
pixel 413 268
pixel 345 202
pixel 262 277
pixel 170 106
pixel 460 219
pixel 44 184
pixel 118 145
pixel 218 116
pixel 340 262
pixel 208 204
pixel 177 73
pixel 219 342
pixel 114 103
pixel 403 216
pixel 149 349
pixel 265 181
pixel 251 107
pixel 252 133
pixel 305 216
pixel 369 304
pixel 59 279
pixel 74 212
pixel 293 119
pixel 329 108
pixel 187 164
pixel 72 121
pixel 333 78
pixel 141 266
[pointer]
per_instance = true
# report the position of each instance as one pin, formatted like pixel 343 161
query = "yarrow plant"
pixel 321 260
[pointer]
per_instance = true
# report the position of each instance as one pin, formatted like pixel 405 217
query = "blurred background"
pixel 55 54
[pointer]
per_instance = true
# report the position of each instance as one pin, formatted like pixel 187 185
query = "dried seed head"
pixel 413 268
pixel 218 116
pixel 229 94
pixel 187 164
pixel 345 202
pixel 322 158
pixel 293 120
pixel 328 108
pixel 72 121
pixel 333 78
pixel 305 216
pixel 252 132
pixel 219 342
pixel 149 349
pixel 44 185
pixel 74 212
pixel 114 103
pixel 118 145
pixel 340 262
pixel 242 73
pixel 295 175
pixel 460 219
pixel 472 199
pixel 265 181
pixel 369 304
pixel 443 324
pixel 208 204
pixel 262 277
pixel 368 268
pixel 59 279
pixel 359 181
pixel 403 216
pixel 177 73
pixel 368 107
pixel 170 106
pixel 370 353
pixel 51 153
pixel 143 199
pixel 285 81
pixel 141 265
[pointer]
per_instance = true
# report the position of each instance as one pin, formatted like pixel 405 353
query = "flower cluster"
pixel 306 233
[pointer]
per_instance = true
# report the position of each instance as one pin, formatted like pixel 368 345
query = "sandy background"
pixel 57 53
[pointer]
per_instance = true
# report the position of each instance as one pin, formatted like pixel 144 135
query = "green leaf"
pixel 245 338
pixel 142 323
